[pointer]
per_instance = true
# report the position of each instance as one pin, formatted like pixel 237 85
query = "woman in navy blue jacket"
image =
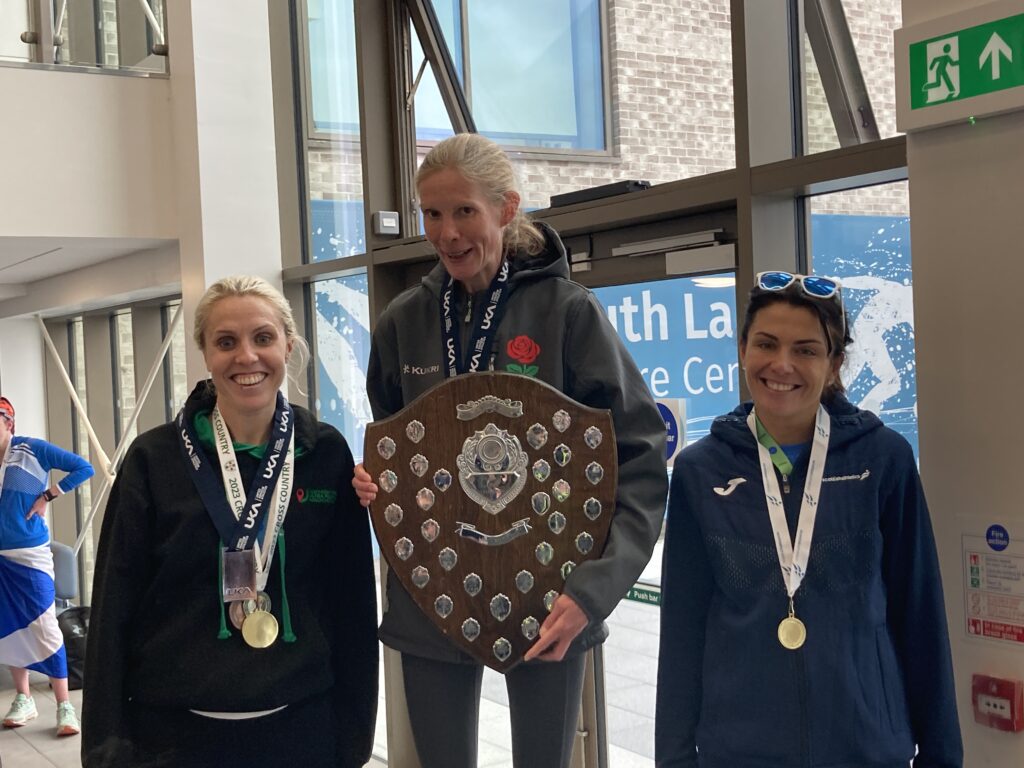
pixel 802 622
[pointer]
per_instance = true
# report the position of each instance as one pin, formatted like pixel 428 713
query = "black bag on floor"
pixel 74 625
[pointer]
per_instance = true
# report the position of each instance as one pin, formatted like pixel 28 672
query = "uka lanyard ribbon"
pixel 794 555
pixel 486 325
pixel 238 516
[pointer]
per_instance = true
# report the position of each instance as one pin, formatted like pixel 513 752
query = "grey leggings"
pixel 444 711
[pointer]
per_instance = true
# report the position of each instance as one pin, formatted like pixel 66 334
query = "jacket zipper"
pixel 785 483
pixel 469 309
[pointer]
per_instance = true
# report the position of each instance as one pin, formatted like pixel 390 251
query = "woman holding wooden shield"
pixel 500 299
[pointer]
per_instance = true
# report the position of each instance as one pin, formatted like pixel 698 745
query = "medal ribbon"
pixel 239 529
pixel 236 496
pixel 486 325
pixel 793 555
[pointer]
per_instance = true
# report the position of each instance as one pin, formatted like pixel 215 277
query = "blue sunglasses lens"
pixel 820 286
pixel 774 281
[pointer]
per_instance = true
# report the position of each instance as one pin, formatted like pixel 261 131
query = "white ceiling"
pixel 28 259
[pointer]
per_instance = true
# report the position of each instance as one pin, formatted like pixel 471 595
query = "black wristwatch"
pixel 49 495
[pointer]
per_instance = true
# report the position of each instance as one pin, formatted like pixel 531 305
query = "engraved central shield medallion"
pixel 480 516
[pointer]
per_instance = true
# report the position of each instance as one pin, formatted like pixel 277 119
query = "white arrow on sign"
pixel 995 46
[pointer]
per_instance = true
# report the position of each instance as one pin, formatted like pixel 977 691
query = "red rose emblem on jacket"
pixel 524 349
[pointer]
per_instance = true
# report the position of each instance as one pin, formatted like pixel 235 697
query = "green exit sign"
pixel 968 62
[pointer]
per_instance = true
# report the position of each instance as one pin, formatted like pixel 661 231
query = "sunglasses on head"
pixel 815 286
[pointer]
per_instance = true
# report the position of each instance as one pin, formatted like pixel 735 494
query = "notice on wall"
pixel 994 585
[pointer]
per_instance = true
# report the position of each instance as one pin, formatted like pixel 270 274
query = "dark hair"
pixel 830 314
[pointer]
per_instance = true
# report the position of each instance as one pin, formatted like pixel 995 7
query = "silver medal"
pixel 404 548
pixel 524 581
pixel 420 576
pixel 443 605
pixel 415 431
pixel 424 499
pixel 530 627
pixel 549 599
pixel 472 584
pixel 540 502
pixel 562 454
pixel 556 522
pixel 393 514
pixel 471 629
pixel 541 470
pixel 561 490
pixel 419 465
pixel 386 447
pixel 592 508
pixel 502 649
pixel 447 558
pixel 545 553
pixel 388 480
pixel 561 420
pixel 593 437
pixel 594 472
pixel 430 529
pixel 536 436
pixel 584 543
pixel 442 480
pixel 501 607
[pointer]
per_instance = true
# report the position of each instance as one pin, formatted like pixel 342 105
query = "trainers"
pixel 23 709
pixel 67 720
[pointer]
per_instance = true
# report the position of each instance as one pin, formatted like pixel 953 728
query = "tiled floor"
pixel 36 745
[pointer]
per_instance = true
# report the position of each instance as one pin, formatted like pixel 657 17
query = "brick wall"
pixel 672 106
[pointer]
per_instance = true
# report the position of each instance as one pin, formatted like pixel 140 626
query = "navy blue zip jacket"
pixel 874 679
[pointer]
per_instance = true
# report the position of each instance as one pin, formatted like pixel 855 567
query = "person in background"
pixel 802 617
pixel 555 330
pixel 29 635
pixel 245 495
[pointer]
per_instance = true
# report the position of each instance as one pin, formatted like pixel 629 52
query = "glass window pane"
pixel 83 493
pixel 863 237
pixel 546 90
pixel 110 33
pixel 14 20
pixel 342 354
pixel 124 354
pixel 334 163
pixel 871 24
pixel 681 334
pixel 669 92
pixel 175 378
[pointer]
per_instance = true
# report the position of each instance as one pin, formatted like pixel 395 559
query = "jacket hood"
pixel 848 424
pixel 551 262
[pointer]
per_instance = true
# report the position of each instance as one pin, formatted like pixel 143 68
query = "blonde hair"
pixel 482 161
pixel 250 285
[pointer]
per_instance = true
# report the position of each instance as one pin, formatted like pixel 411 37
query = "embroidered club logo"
pixel 730 486
pixel 524 351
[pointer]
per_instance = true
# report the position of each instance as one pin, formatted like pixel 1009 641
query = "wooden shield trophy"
pixel 493 488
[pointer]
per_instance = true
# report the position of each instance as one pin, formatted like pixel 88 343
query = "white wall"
pixel 966 184
pixel 21 361
pixel 86 155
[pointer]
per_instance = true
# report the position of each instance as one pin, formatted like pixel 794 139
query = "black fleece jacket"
pixel 153 636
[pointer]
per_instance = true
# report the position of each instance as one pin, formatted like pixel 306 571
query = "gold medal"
pixel 259 630
pixel 792 632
